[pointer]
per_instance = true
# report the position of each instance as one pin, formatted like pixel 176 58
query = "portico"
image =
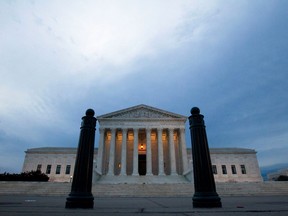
pixel 142 141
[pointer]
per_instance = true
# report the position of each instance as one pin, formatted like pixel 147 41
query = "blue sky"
pixel 58 58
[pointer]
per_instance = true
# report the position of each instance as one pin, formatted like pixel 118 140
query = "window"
pixel 58 169
pixel 233 168
pixel 224 170
pixel 243 169
pixel 39 166
pixel 68 168
pixel 48 169
pixel 214 169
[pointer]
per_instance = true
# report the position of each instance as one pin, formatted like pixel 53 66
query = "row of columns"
pixel 172 157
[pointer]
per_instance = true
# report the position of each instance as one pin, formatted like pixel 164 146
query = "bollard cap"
pixel 195 111
pixel 90 112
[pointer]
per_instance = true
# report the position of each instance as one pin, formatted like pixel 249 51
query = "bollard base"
pixel 206 201
pixel 85 202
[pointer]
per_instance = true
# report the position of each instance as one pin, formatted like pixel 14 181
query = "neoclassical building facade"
pixel 143 144
pixel 142 141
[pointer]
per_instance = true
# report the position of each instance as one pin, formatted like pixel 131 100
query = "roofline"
pixel 61 150
pixel 143 119
pixel 139 106
pixel 55 150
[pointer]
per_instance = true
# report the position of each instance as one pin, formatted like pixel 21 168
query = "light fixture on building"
pixel 108 135
pixel 119 165
pixel 164 136
pixel 153 136
pixel 141 146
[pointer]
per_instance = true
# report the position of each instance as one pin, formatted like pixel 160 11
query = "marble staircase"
pixel 143 190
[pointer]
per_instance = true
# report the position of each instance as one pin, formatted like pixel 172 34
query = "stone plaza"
pixel 235 205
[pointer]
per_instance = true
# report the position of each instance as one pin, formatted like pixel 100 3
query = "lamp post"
pixel 81 196
pixel 205 195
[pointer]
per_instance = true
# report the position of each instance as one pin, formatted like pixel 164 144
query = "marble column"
pixel 148 152
pixel 135 152
pixel 183 150
pixel 100 151
pixel 112 153
pixel 123 152
pixel 160 152
pixel 172 152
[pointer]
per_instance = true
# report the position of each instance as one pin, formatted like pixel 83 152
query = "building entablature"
pixel 141 124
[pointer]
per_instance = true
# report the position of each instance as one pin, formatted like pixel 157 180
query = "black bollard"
pixel 205 195
pixel 81 196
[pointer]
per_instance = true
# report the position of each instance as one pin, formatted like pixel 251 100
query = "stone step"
pixel 253 188
pixel 171 179
pixel 143 190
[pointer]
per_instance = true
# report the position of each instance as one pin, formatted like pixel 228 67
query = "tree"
pixel 282 178
pixel 25 176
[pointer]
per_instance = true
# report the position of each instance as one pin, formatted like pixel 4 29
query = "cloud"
pixel 59 58
pixel 265 158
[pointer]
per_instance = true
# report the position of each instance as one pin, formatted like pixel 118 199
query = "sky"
pixel 59 58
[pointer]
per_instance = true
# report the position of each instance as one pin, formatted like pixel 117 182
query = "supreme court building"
pixel 143 144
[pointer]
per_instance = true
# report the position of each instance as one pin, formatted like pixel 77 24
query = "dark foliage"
pixel 25 176
pixel 282 178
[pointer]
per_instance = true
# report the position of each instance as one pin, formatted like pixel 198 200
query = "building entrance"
pixel 142 164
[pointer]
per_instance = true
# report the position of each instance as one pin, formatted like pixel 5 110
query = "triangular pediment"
pixel 141 111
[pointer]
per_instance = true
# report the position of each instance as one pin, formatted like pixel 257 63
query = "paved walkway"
pixel 236 206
